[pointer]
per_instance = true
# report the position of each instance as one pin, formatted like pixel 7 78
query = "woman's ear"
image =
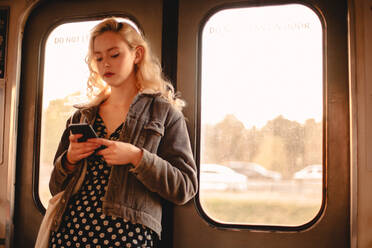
pixel 140 50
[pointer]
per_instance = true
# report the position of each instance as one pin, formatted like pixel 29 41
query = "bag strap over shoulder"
pixel 73 117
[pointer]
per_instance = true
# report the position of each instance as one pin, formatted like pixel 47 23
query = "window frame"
pixel 198 118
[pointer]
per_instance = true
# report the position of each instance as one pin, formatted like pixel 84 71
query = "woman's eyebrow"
pixel 112 48
pixel 108 50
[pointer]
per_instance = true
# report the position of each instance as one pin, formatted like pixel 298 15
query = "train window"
pixel 261 114
pixel 64 84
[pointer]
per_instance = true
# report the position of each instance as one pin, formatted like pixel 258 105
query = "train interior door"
pixel 223 42
pixel 177 31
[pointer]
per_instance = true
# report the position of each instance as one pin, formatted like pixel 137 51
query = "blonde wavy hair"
pixel 148 71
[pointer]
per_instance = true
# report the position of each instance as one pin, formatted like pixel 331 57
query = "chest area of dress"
pixel 97 167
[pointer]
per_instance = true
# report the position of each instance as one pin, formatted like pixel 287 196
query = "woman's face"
pixel 114 58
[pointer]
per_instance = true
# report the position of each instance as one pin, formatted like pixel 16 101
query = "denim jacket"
pixel 167 168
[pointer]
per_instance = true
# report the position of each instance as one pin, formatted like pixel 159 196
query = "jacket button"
pixel 63 200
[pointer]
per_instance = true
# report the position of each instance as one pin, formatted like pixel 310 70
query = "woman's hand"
pixel 117 152
pixel 79 150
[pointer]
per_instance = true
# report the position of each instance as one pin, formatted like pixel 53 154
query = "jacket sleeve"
pixel 172 172
pixel 59 177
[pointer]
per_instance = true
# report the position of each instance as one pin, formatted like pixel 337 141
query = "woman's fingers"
pixel 117 152
pixel 84 155
pixel 85 146
pixel 79 150
pixel 100 141
pixel 74 137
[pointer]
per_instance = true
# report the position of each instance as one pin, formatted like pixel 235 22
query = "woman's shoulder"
pixel 160 109
pixel 162 103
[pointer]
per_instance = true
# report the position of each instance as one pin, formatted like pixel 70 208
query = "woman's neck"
pixel 122 96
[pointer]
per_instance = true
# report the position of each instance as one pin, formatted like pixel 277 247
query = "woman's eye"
pixel 98 59
pixel 115 55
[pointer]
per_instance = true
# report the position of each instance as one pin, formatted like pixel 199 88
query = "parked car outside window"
pixel 254 171
pixel 309 173
pixel 219 177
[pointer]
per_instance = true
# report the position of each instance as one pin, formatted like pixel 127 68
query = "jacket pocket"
pixel 152 133
pixel 155 126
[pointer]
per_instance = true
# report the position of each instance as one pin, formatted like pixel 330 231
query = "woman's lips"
pixel 108 74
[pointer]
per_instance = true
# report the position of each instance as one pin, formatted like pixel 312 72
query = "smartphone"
pixel 85 129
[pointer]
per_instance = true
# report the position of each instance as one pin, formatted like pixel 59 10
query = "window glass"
pixel 65 77
pixel 261 115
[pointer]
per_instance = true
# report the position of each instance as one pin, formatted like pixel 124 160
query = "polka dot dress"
pixel 85 225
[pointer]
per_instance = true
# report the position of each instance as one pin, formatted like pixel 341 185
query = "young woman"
pixel 113 184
